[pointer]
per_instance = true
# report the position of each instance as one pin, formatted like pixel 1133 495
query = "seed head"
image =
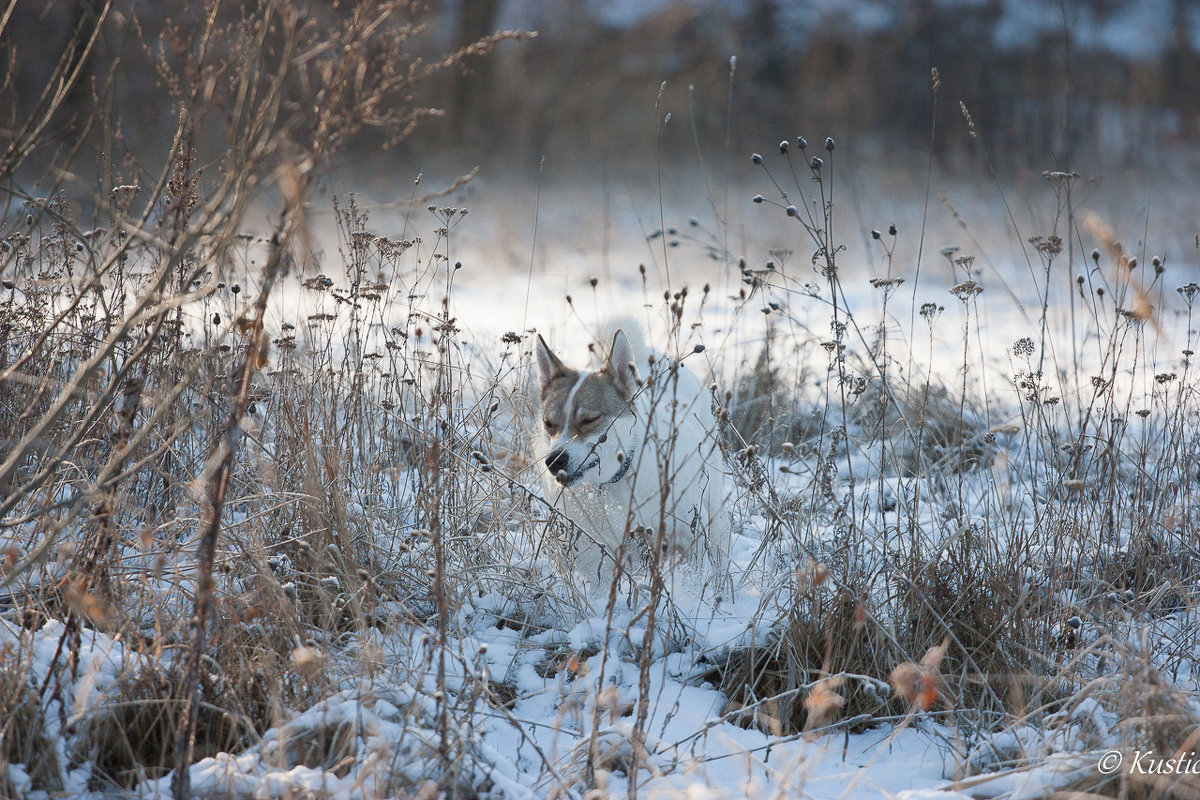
pixel 309 661
pixel 829 145
pixel 816 163
pixel 783 146
pixel 801 142
pixel 756 158
pixel 966 290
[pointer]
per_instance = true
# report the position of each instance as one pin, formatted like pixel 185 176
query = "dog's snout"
pixel 557 461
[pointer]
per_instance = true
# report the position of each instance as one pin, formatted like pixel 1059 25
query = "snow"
pixel 580 674
pixel 691 751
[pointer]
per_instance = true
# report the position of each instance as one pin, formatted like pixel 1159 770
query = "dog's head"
pixel 589 416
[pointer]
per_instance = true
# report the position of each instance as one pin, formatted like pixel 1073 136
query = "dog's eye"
pixel 589 420
pixel 550 426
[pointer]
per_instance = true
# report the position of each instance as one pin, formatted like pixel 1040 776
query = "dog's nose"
pixel 557 461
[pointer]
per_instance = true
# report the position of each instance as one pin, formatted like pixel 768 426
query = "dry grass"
pixel 270 518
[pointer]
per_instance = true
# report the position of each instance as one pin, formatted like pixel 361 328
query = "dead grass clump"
pixel 990 617
pixel 24 740
pixel 924 428
pixel 819 668
pixel 329 747
pixel 1133 712
pixel 130 737
pixel 1152 568
pixel 758 397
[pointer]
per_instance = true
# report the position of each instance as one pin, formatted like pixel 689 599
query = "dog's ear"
pixel 550 366
pixel 622 364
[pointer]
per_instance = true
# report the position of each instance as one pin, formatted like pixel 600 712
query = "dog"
pixel 634 462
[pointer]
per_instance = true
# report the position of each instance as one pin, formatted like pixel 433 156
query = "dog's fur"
pixel 634 461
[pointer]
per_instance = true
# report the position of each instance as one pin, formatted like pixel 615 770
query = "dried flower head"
pixel 966 290
pixel 823 702
pixel 921 685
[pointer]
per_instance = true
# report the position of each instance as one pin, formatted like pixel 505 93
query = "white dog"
pixel 634 462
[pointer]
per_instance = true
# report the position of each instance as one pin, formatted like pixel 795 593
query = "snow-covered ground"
pixel 542 678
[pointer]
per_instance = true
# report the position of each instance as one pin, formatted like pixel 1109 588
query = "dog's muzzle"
pixel 557 461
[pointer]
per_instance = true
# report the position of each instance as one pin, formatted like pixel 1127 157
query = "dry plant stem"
pixel 217 478
pixel 63 79
pixel 181 210
pixel 589 774
pixel 647 655
pixel 149 306
pixel 93 572
pixel 433 501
